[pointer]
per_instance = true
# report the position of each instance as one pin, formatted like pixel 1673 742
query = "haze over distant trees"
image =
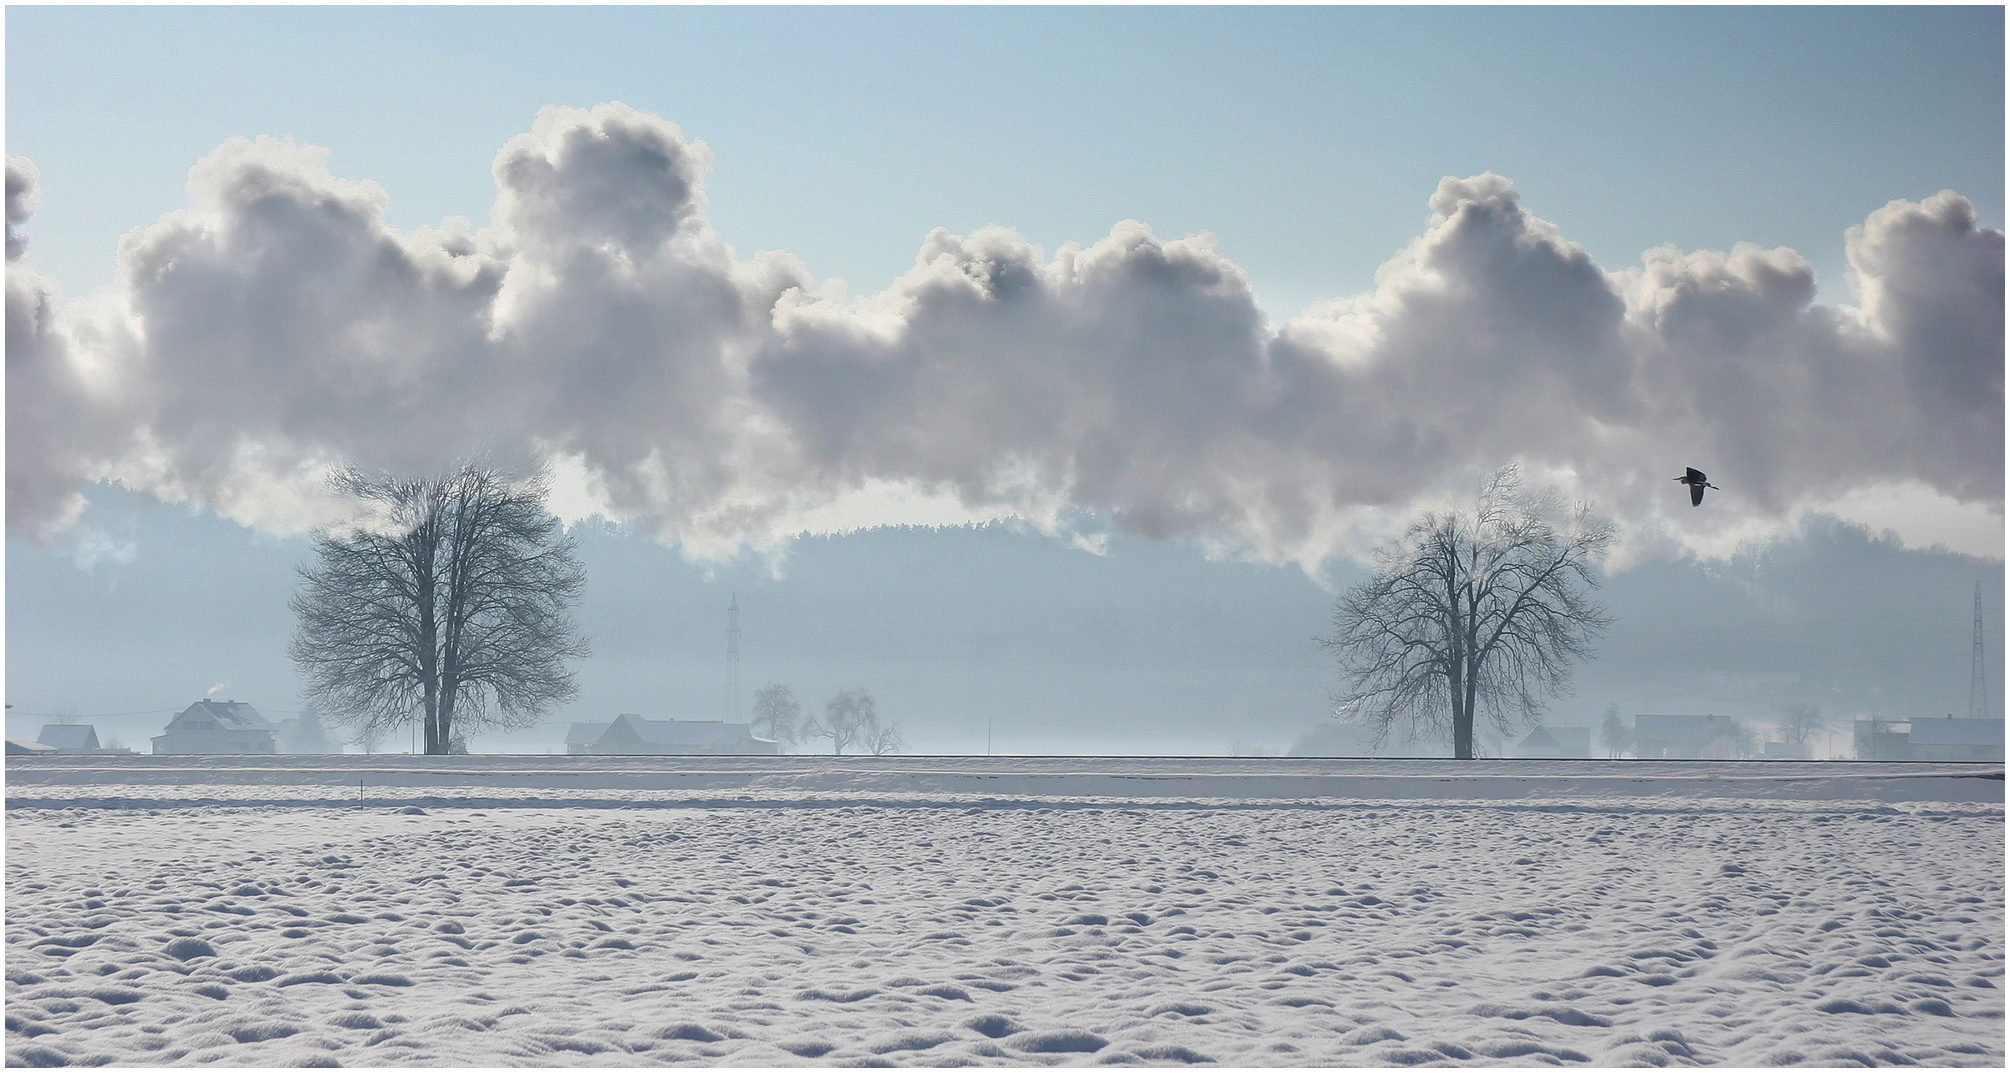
pixel 450 605
pixel 1613 734
pixel 1834 614
pixel 1476 611
pixel 1801 721
pixel 851 720
pixel 304 733
pixel 778 715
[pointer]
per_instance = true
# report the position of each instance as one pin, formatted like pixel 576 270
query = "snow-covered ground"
pixel 946 911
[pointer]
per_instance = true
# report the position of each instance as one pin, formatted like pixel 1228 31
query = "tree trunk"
pixel 1462 726
pixel 425 590
pixel 429 672
pixel 1459 682
pixel 431 715
pixel 449 696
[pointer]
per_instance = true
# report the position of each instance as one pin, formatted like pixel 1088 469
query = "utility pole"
pixel 1978 686
pixel 733 661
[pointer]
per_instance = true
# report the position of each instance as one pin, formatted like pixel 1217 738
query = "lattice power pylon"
pixel 732 708
pixel 1978 685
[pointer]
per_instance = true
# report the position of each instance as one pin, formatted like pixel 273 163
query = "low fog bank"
pixel 999 635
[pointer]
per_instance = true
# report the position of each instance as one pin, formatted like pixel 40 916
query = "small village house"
pixel 70 739
pixel 1951 739
pixel 1945 739
pixel 1883 739
pixel 217 726
pixel 1685 737
pixel 580 737
pixel 1555 743
pixel 634 735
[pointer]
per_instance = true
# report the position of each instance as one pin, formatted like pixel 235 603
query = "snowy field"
pixel 777 911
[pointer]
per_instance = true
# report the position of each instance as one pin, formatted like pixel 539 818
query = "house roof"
pixel 1951 731
pixel 1539 737
pixel 229 714
pixel 17 746
pixel 585 733
pixel 1567 738
pixel 69 736
pixel 698 732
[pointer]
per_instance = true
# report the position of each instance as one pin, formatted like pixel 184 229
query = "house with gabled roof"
pixel 1555 743
pixel 1883 739
pixel 632 734
pixel 580 737
pixel 70 738
pixel 1685 737
pixel 1949 738
pixel 218 726
pixel 24 747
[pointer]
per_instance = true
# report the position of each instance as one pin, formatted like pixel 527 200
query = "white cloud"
pixel 24 196
pixel 281 324
pixel 94 546
pixel 58 427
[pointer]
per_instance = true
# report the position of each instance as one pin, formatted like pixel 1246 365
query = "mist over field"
pixel 1049 648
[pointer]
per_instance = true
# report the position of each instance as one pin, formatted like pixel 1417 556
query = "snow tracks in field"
pixel 1381 933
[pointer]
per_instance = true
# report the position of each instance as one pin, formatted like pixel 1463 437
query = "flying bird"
pixel 1696 482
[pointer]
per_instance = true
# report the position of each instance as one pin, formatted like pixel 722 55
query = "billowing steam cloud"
pixel 281 325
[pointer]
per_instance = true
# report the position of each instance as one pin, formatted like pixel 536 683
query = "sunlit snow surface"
pixel 926 911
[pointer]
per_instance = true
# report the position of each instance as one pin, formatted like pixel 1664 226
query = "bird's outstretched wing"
pixel 1695 476
pixel 1696 492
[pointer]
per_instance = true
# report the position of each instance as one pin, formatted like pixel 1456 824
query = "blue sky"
pixel 1307 139
pixel 1177 462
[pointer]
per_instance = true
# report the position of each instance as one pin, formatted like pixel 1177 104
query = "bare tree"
pixel 1614 734
pixel 778 714
pixel 852 719
pixel 450 607
pixel 1744 740
pixel 884 740
pixel 304 734
pixel 1803 720
pixel 1477 611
